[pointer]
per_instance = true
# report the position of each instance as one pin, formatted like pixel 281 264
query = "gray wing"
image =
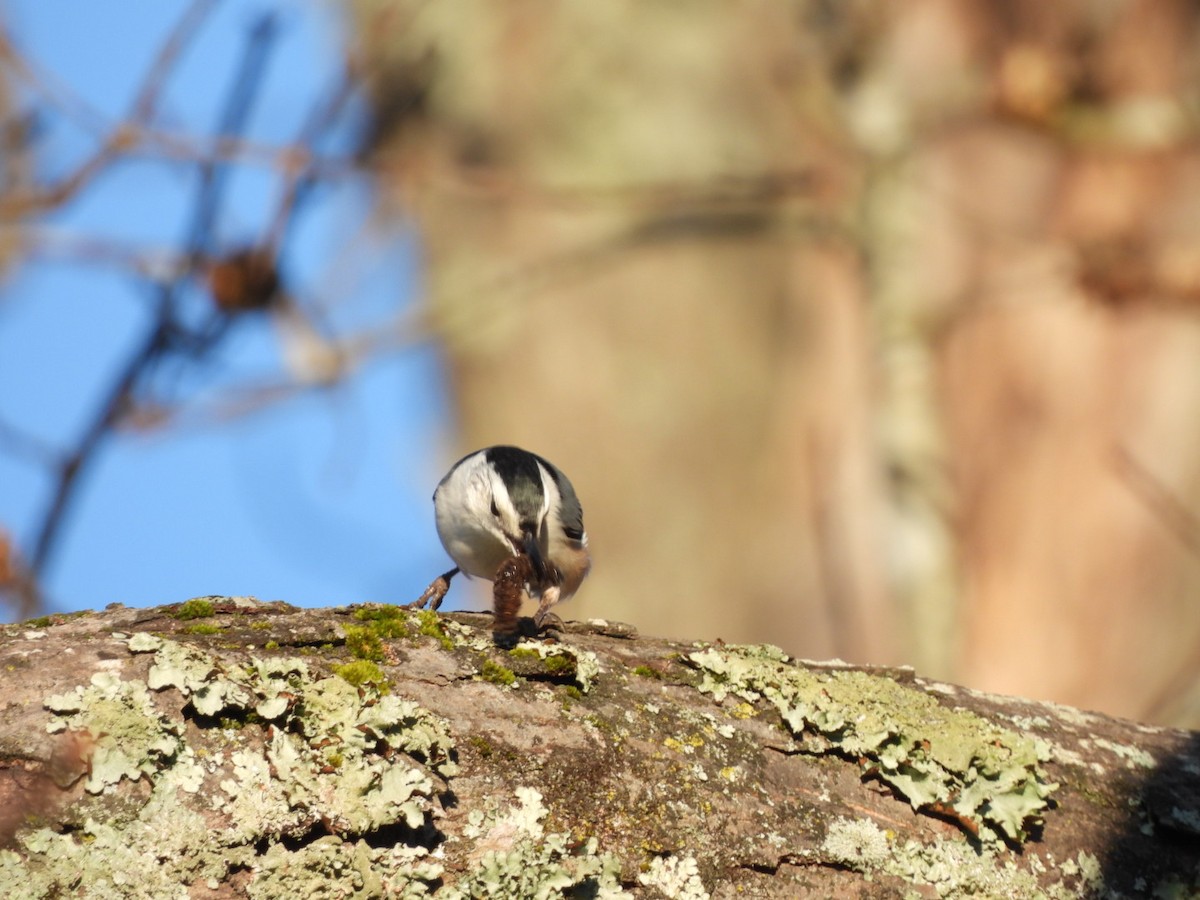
pixel 571 512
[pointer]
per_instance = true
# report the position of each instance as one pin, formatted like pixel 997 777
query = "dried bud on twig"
pixel 244 281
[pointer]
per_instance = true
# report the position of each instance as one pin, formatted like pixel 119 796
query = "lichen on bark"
pixel 242 764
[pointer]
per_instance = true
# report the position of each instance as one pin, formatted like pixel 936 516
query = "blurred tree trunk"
pixel 865 328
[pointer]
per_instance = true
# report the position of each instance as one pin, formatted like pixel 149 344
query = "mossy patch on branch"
pixel 196 608
pixel 386 621
pixel 555 662
pixel 203 628
pixel 363 671
pixel 429 623
pixel 494 672
pixel 363 642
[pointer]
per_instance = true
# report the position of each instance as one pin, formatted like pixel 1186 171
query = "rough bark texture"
pixel 225 748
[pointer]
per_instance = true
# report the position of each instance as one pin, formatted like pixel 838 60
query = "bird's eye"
pixel 575 534
pixel 495 509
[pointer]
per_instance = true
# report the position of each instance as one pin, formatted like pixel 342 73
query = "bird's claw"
pixel 548 621
pixel 434 594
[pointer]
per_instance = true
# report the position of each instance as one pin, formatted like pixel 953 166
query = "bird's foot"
pixel 434 594
pixel 550 623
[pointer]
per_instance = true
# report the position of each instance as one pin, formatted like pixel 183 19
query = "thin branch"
pixel 116 139
pixel 144 106
pixel 160 338
pixel 49 86
pixel 303 174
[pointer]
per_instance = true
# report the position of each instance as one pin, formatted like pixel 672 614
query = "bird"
pixel 501 505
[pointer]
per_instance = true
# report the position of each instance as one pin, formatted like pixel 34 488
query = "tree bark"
pixel 227 748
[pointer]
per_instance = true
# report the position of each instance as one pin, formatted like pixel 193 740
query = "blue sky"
pixel 318 500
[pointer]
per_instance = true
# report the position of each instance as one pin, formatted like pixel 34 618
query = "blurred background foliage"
pixel 866 328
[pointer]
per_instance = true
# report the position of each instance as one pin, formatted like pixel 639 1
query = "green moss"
pixel 647 672
pixel 390 622
pixel 559 665
pixel 497 674
pixel 430 624
pixel 203 628
pixel 544 663
pixel 237 723
pixel 363 642
pixel 362 672
pixel 260 625
pixel 604 726
pixel 52 619
pixel 197 608
pixel 271 645
pixel 481 745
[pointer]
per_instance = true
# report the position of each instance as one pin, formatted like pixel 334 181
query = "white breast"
pixel 462 509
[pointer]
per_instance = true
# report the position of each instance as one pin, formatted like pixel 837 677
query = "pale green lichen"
pixel 953 868
pixel 196 676
pixel 275 682
pixel 338 757
pixel 931 755
pixel 676 877
pixel 153 855
pixel 329 867
pixel 517 860
pixel 858 844
pixel 464 636
pixel 1135 757
pixel 130 738
pixel 362 795
pixel 1185 819
pixel 142 642
pixel 582 665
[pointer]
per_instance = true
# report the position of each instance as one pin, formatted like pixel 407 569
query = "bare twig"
pixel 146 103
pixel 117 139
pixel 164 333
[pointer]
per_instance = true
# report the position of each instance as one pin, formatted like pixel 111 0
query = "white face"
pixel 476 520
pixel 499 510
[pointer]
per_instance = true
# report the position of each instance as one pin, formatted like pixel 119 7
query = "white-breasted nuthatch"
pixel 504 502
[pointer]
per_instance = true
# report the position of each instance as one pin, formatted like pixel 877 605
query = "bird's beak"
pixel 530 545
